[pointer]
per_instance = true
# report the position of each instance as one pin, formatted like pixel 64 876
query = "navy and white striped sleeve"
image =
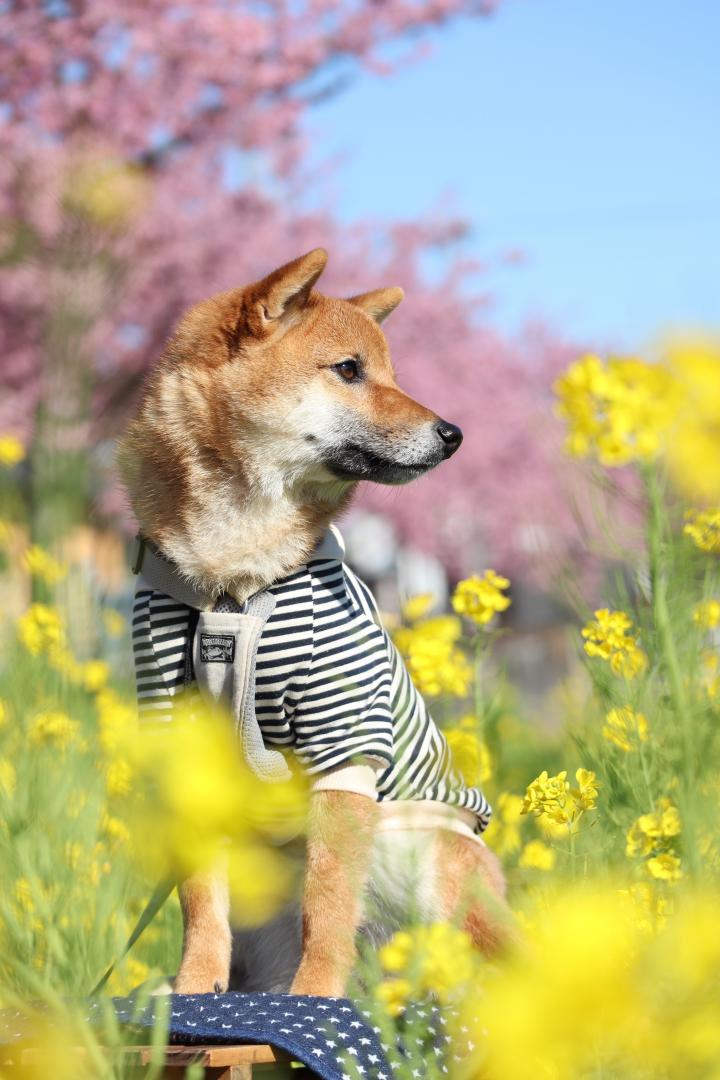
pixel 344 714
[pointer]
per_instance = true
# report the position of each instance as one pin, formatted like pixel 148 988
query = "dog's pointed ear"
pixel 284 291
pixel 379 303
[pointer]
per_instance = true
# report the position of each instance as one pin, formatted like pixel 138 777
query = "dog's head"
pixel 306 381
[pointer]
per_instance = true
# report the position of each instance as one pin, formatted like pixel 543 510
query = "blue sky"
pixel 583 131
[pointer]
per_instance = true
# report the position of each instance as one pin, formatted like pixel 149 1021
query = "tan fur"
pixel 339 848
pixel 207 940
pixel 248 441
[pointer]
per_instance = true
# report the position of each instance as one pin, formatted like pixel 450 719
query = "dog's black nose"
pixel 450 434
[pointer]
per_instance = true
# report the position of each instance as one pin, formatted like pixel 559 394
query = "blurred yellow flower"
pixel 95 674
pixel 41 564
pixel 12 451
pixel 707 614
pixel 617 411
pixel 647 906
pixel 611 636
pixel 625 728
pixel 435 661
pixel 664 867
pixel 710 673
pixel 503 832
pixel 552 796
pixel 694 451
pixel 118 777
pixel 24 894
pixel 3 714
pixel 469 753
pixel 437 959
pixel 394 995
pixel 8 776
pixel 481 598
pixel 417 607
pixel 40 627
pixel 55 727
pixel 206 807
pixel 105 190
pixel 114 830
pixel 537 856
pixel 651 832
pixel 113 622
pixel 117 720
pixel 703 528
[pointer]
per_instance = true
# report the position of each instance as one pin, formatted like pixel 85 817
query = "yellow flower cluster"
pixel 469 753
pixel 57 729
pixel 434 659
pixel 618 411
pixel 694 451
pixel 537 855
pixel 595 994
pixel 651 838
pixel 40 628
pixel 41 564
pixel 434 960
pixel 12 451
pixel 503 833
pixel 703 528
pixel 707 614
pixel 481 598
pixel 625 728
pixel 553 798
pixel 206 805
pixel 611 636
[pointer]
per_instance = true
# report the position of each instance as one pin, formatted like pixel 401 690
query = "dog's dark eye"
pixel 349 369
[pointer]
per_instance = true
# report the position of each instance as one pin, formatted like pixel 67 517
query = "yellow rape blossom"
pixel 41 627
pixel 710 673
pixel 618 411
pixel 469 753
pixel 8 776
pixel 3 713
pixel 707 614
pixel 118 777
pixel 703 528
pixel 434 659
pixel 664 867
pixel 625 728
pixel 417 607
pixel 55 727
pixel 438 959
pixel 41 564
pixel 503 832
pixel 95 674
pixel 113 622
pixel 553 797
pixel 481 598
pixel 537 856
pixel 12 451
pixel 612 637
pixel 651 832
pixel 694 451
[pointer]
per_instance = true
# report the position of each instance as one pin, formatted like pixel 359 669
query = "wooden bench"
pixel 247 1062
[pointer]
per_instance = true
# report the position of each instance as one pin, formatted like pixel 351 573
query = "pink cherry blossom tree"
pixel 151 153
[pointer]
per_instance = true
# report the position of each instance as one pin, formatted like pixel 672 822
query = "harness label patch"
pixel 217 648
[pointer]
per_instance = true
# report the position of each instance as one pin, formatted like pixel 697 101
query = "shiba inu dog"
pixel 270 404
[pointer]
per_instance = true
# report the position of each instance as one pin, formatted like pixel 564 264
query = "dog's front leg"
pixel 340 839
pixel 207 941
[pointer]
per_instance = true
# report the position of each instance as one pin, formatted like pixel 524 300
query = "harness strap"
pixel 156 901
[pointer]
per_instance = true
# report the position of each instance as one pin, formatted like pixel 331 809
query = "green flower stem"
pixel 663 623
pixel 669 656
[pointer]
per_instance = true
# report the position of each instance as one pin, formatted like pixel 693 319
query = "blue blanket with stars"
pixel 336 1039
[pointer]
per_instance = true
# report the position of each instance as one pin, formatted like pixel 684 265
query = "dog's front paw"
pixel 317 980
pixel 201 977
